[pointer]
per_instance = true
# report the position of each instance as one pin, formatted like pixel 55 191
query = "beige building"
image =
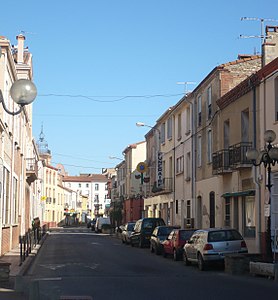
pixel 132 199
pixel 18 156
pixel 159 196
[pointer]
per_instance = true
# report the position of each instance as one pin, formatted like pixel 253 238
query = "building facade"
pixel 94 187
pixel 18 156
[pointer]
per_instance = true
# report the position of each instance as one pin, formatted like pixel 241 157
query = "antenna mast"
pixel 262 20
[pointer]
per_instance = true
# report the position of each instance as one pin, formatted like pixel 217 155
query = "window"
pixel 199 151
pixel 177 206
pixel 79 185
pixel 96 198
pixel 96 187
pixel 227 221
pixel 179 126
pixel 245 126
pixel 249 216
pixel 87 185
pixel 15 219
pixel 169 128
pixel 188 209
pixel 226 143
pixel 162 135
pixel 179 165
pixel 170 167
pixel 106 187
pixel 199 110
pixel 209 108
pixel 6 197
pixel 188 166
pixel 226 134
pixel 209 146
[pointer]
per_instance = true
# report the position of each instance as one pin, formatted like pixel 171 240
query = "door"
pixel 211 209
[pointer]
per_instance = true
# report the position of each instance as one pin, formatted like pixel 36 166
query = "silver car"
pixel 211 245
pixel 127 230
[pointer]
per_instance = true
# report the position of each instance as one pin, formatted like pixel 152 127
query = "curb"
pixel 20 281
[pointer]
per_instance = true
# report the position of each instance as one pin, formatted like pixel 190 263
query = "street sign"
pixel 142 167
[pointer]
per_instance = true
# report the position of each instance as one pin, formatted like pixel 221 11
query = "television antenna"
pixel 262 20
pixel 185 83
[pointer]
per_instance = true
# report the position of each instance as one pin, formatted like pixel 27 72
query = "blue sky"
pixel 100 66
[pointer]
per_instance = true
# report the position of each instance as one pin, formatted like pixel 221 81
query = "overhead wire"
pixel 119 98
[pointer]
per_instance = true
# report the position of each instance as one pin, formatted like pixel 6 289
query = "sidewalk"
pixel 7 287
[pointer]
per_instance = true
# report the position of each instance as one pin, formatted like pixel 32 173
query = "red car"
pixel 173 245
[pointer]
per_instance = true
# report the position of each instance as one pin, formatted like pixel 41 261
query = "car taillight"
pixel 208 247
pixel 243 244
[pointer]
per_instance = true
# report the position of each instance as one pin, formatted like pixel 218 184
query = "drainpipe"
pixel 255 172
pixel 193 163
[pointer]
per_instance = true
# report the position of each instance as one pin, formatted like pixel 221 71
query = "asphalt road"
pixel 81 263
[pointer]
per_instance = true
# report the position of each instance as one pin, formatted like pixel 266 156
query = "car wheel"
pixel 157 252
pixel 175 255
pixel 123 241
pixel 201 263
pixel 185 259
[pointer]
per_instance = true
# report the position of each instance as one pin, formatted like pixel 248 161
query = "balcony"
pixel 31 170
pixel 166 187
pixel 227 160
pixel 221 162
pixel 237 155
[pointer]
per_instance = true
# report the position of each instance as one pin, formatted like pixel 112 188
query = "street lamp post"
pixel 23 92
pixel 268 157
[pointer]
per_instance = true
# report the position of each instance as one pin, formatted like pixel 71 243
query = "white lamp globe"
pixel 23 92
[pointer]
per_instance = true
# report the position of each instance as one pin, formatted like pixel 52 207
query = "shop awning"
pixel 240 194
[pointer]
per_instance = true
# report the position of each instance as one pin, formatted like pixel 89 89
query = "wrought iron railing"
pixel 234 157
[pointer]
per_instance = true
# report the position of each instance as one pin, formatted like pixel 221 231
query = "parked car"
pixel 93 224
pixel 119 230
pixel 89 223
pixel 143 230
pixel 158 236
pixel 100 222
pixel 175 242
pixel 126 232
pixel 211 245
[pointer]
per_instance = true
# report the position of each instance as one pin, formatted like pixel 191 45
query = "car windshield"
pixel 224 235
pixel 130 227
pixel 185 235
pixel 165 230
pixel 149 224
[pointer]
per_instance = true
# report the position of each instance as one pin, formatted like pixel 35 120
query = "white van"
pixel 100 221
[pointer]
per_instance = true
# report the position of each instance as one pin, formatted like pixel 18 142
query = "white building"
pixel 93 186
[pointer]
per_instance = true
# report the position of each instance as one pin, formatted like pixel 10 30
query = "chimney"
pixel 20 48
pixel 270 46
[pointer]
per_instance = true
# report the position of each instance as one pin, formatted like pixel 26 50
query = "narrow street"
pixel 76 261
